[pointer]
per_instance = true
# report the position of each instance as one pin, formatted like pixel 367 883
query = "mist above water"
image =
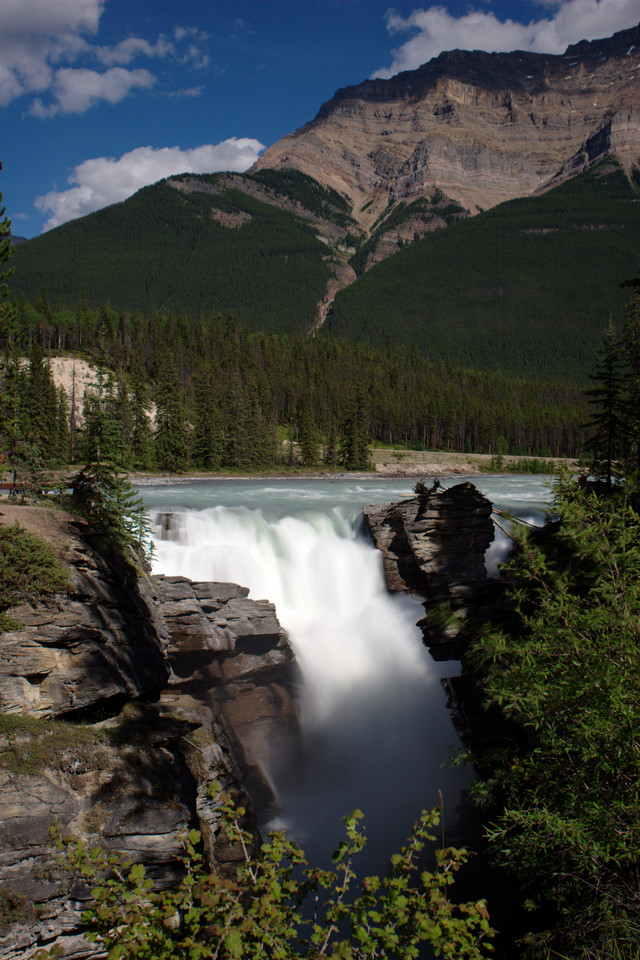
pixel 376 731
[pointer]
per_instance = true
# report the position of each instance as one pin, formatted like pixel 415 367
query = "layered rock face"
pixel 231 654
pixel 177 685
pixel 433 545
pixel 482 127
pixel 93 649
pixel 434 541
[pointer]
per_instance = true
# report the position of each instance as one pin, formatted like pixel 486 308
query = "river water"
pixel 372 709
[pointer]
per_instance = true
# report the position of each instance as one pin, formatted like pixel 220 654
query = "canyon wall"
pixel 123 700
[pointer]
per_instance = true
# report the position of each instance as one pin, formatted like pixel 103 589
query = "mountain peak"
pixel 480 127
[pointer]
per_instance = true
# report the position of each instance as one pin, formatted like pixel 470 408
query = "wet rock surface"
pixel 231 654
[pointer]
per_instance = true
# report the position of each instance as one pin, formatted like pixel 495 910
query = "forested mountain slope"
pixel 382 219
pixel 195 244
pixel 525 288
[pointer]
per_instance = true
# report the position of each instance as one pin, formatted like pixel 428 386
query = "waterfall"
pixel 372 708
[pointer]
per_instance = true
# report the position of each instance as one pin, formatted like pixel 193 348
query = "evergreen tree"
pixel 171 438
pixel 14 416
pixel 8 312
pixel 308 439
pixel 563 665
pixel 62 429
pixel 102 439
pixel 43 406
pixel 102 493
pixel 207 432
pixel 354 443
pixel 631 405
pixel 331 449
pixel 142 449
pixel 606 395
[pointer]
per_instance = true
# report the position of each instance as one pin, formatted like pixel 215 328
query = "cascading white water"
pixel 372 708
pixel 373 711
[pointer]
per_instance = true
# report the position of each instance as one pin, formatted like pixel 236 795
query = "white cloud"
pixel 77 90
pixel 41 42
pixel 101 181
pixel 438 30
pixel 188 92
pixel 35 35
pixel 127 50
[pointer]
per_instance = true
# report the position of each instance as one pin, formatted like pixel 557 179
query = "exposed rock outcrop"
pixel 482 127
pixel 178 685
pixel 231 654
pixel 434 542
pixel 433 545
pixel 88 652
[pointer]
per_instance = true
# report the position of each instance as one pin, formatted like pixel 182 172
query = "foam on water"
pixel 372 708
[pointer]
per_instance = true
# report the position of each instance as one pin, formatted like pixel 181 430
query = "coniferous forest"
pixel 182 393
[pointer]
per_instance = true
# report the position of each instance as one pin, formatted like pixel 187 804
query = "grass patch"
pixel 29 571
pixel 29 745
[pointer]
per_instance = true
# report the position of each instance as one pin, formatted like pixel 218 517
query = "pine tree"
pixel 62 429
pixel 142 450
pixel 631 400
pixel 102 440
pixel 103 494
pixel 354 443
pixel 308 438
pixel 171 439
pixel 331 449
pixel 606 395
pixel 43 406
pixel 8 312
pixel 207 432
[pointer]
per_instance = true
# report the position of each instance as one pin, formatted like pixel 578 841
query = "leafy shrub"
pixel 276 906
pixel 566 803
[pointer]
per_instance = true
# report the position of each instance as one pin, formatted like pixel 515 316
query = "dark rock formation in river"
pixel 433 545
pixel 177 685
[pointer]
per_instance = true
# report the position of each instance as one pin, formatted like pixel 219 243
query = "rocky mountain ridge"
pixel 288 246
pixel 481 127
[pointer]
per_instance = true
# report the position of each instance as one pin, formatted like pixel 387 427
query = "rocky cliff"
pixel 433 545
pixel 121 702
pixel 481 127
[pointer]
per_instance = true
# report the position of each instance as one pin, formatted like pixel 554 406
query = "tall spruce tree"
pixel 8 312
pixel 102 438
pixel 142 449
pixel 207 431
pixel 630 413
pixel 308 438
pixel 354 442
pixel 606 396
pixel 172 431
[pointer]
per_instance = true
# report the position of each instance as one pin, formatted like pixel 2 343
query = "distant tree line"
pixel 178 392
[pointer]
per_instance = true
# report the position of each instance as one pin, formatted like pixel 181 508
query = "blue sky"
pixel 100 97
